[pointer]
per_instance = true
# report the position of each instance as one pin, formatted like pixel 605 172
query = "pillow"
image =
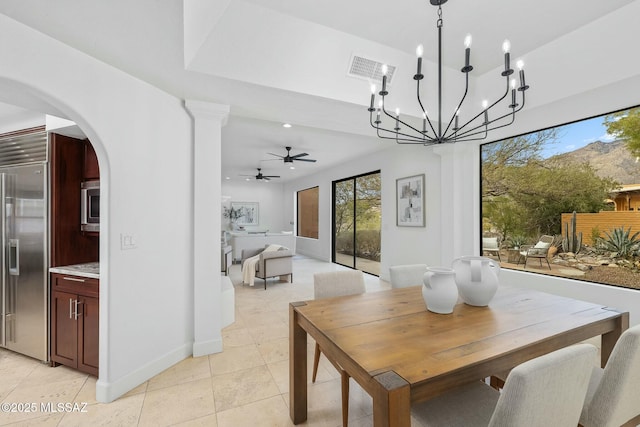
pixel 542 245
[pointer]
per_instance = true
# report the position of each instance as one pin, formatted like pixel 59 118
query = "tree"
pixel 546 191
pixel 524 193
pixel 626 125
pixel 512 152
pixel 505 215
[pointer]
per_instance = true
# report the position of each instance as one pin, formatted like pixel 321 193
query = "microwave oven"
pixel 90 206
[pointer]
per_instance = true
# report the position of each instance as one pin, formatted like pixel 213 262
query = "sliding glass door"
pixel 356 222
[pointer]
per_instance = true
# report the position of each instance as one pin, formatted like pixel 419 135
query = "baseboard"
pixel 109 391
pixel 204 348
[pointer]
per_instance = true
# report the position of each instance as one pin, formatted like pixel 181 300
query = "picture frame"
pixel 410 201
pixel 249 213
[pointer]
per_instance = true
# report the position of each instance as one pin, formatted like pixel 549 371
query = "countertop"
pixel 89 269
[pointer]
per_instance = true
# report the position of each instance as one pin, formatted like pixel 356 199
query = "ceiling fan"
pixel 261 177
pixel 289 158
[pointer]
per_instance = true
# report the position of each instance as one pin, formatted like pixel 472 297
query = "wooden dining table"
pixel 400 353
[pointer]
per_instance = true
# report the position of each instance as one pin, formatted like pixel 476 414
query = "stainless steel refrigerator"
pixel 24 257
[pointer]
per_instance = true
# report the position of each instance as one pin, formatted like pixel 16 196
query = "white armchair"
pixel 271 263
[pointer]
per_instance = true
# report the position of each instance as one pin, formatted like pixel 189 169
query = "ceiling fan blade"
pixel 271 176
pixel 277 155
pixel 299 155
pixel 305 160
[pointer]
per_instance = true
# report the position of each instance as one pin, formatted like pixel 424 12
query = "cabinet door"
pixel 88 335
pixel 64 329
pixel 91 169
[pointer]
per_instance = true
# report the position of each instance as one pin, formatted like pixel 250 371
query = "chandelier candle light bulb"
pixel 373 97
pixel 385 69
pixel 485 103
pixel 523 85
pixel 506 47
pixel 419 52
pixel 467 54
pixel 439 129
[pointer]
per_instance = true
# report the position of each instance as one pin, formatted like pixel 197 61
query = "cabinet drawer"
pixel 81 285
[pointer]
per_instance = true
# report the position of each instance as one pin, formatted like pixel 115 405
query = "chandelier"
pixel 476 128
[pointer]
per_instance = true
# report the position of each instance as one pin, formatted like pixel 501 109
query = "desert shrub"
pixel 620 241
pixel 368 244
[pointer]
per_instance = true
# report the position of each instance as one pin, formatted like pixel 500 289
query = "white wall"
pixel 274 216
pixel 399 244
pixel 143 139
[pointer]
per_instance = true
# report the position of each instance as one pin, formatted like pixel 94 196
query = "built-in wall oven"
pixel 90 206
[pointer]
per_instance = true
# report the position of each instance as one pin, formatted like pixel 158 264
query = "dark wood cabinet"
pixel 74 322
pixel 91 169
pixel 69 244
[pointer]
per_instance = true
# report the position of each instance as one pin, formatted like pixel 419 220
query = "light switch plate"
pixel 128 241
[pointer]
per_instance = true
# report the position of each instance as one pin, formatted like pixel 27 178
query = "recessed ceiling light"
pixel 247 179
pixel 227 177
pixel 286 125
pixel 292 167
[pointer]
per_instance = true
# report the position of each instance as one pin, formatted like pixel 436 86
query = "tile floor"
pixel 246 385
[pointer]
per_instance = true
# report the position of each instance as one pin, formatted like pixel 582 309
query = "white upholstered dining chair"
pixel 402 276
pixel 613 397
pixel 545 391
pixel 337 284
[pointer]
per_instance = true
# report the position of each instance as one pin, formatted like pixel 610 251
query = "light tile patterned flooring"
pixel 246 385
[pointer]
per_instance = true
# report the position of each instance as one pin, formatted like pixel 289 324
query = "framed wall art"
pixel 410 201
pixel 248 213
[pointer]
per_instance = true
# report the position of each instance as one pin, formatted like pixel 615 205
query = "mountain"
pixel 609 159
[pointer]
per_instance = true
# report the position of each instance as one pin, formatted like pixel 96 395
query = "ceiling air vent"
pixel 370 70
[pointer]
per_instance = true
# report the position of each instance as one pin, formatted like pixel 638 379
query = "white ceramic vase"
pixel 439 290
pixel 477 279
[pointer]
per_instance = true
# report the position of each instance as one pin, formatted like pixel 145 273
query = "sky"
pixel 577 135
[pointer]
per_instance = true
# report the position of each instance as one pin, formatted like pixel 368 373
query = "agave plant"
pixel 516 241
pixel 619 241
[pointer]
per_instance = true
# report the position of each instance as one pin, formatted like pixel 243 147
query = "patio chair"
pixel 492 246
pixel 545 391
pixel 540 250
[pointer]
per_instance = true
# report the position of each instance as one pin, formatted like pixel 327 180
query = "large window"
pixel 308 213
pixel 356 222
pixel 569 195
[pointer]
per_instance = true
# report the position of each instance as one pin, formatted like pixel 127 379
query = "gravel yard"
pixel 624 277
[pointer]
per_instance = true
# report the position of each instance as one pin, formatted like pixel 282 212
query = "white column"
pixel 208 120
pixel 459 204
